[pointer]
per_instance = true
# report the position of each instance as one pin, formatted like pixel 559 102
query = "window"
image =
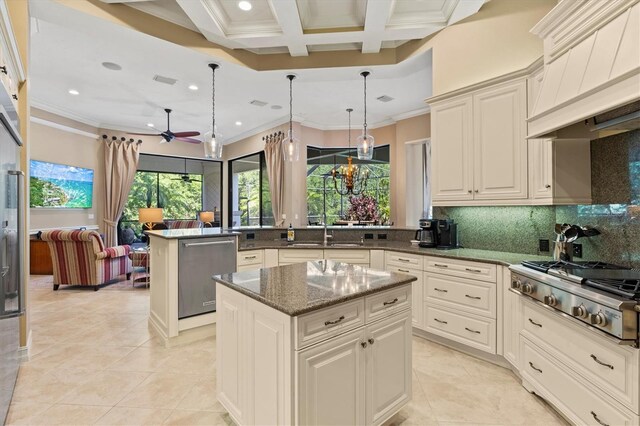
pixel 250 198
pixel 181 187
pixel 321 193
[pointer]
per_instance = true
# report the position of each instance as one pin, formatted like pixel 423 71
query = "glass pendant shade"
pixel 365 143
pixel 291 147
pixel 213 148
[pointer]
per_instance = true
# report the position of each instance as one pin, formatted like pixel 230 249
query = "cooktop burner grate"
pixel 628 288
pixel 545 265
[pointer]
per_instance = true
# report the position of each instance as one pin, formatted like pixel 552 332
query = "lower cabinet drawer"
pixel 354 257
pixel 612 368
pixel 320 325
pixel 461 268
pixel 290 256
pixel 253 257
pixel 471 330
pixel 559 384
pixel 387 302
pixel 477 297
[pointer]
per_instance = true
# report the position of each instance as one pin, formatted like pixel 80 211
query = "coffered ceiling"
pixel 299 27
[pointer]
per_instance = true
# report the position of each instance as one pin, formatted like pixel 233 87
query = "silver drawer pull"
pixel 472 331
pixel 390 302
pixel 249 257
pixel 403 260
pixel 595 358
pixel 440 321
pixel 208 243
pixel 477 271
pixel 441 290
pixel 536 324
pixel 473 297
pixel 339 320
pixel 534 367
pixel 440 265
pixel 595 416
pixel 404 270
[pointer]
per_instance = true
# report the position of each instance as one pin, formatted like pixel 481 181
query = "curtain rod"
pixel 122 139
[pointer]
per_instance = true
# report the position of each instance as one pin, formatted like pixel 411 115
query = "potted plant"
pixel 363 209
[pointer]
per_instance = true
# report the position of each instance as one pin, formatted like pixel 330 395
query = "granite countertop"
pixel 486 256
pixel 306 287
pixel 191 233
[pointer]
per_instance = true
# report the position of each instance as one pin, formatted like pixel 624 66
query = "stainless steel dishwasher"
pixel 199 259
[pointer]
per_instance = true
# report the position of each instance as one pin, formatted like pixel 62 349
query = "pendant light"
pixel 365 141
pixel 213 145
pixel 291 144
pixel 353 178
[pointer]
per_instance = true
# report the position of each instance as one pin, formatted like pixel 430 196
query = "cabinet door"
pixel 511 322
pixel 452 150
pixel 331 381
pixel 541 168
pixel 500 145
pixel 231 365
pixel 388 367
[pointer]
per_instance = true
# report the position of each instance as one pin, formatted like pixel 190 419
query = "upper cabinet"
pixel 11 68
pixel 479 150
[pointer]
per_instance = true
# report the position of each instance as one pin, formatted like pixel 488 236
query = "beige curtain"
pixel 274 157
pixel 120 165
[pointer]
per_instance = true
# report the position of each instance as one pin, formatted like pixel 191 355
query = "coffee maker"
pixel 447 234
pixel 427 235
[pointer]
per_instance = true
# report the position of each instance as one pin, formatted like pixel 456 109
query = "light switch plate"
pixel 90 215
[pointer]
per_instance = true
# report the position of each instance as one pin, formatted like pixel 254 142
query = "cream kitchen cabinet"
pixel 412 265
pixel 248 260
pixel 291 256
pixel 353 257
pixel 552 179
pixel 479 150
pixel 511 321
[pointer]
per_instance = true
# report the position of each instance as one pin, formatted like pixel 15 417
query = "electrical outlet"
pixel 251 236
pixel 368 236
pixel 283 235
pixel 543 245
pixel 90 215
pixel 382 236
pixel 577 250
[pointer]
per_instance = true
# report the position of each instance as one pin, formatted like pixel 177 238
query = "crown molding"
pixel 411 114
pixel 256 130
pixel 62 127
pixel 63 112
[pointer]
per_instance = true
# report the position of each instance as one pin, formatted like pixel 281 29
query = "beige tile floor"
pixel 94 361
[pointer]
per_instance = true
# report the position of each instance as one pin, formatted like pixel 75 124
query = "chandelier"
pixel 213 145
pixel 365 141
pixel 353 179
pixel 291 144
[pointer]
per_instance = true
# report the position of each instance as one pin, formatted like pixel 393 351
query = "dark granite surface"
pixel 306 287
pixel 486 256
pixel 192 233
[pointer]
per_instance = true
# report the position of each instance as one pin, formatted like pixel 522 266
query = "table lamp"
pixel 150 215
pixel 206 217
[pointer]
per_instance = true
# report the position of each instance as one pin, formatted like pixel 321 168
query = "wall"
pixel 395 135
pixel 61 140
pixel 615 212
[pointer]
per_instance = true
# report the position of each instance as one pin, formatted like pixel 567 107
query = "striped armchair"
pixel 79 258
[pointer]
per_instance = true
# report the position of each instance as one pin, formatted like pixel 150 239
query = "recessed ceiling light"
pixel 111 66
pixel 150 124
pixel 238 123
pixel 193 87
pixel 276 106
pixel 245 5
pixel 73 92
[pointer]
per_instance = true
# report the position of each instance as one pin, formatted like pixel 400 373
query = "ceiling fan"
pixel 185 177
pixel 168 135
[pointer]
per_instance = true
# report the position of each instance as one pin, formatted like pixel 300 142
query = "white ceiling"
pixel 69 47
pixel 286 25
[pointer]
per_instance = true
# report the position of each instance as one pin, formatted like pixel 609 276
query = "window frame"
pixel 262 164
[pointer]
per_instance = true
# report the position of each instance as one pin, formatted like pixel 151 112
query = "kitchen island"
pixel 182 302
pixel 320 342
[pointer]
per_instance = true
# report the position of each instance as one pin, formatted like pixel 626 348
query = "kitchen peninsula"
pixel 183 302
pixel 320 342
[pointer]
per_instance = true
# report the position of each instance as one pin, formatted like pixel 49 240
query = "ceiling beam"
pixel 375 24
pixel 286 13
pixel 205 20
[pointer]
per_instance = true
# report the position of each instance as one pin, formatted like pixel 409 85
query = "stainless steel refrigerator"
pixel 11 262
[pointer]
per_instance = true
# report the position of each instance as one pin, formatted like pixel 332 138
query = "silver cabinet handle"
pixel 208 243
pixel 536 324
pixel 595 358
pixel 473 297
pixel 595 416
pixel 534 367
pixel 440 265
pixel 403 270
pixel 363 344
pixel 249 257
pixel 403 260
pixel 5 271
pixel 472 331
pixel 440 321
pixel 441 290
pixel 469 191
pixel 391 302
pixel 371 341
pixel 477 271
pixel 334 322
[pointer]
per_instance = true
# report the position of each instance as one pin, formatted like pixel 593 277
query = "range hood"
pixel 591 66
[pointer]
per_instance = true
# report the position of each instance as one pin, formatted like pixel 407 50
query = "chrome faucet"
pixel 326 234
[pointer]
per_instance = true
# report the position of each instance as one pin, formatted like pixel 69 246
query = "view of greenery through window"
pixel 179 199
pixel 321 190
pixel 248 208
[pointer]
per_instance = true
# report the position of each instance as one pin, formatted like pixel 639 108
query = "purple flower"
pixel 363 208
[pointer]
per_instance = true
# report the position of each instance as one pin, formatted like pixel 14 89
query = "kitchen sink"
pixel 304 244
pixel 346 245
